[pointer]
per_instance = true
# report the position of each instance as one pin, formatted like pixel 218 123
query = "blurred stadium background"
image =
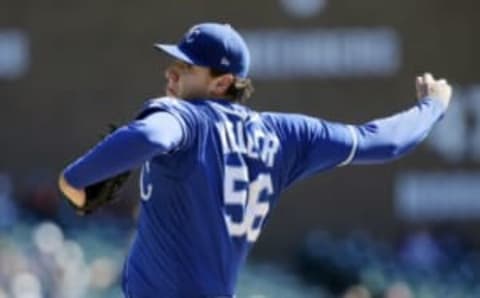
pixel 407 229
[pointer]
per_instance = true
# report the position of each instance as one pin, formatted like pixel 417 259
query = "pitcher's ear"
pixel 222 83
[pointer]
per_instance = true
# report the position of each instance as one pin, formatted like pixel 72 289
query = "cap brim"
pixel 174 51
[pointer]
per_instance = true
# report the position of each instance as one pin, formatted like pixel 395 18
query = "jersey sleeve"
pixel 390 138
pixel 180 110
pixel 163 126
pixel 311 145
pixel 125 149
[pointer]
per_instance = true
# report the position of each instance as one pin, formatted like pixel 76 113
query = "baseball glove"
pixel 103 192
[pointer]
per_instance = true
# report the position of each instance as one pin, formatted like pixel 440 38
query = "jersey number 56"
pixel 247 196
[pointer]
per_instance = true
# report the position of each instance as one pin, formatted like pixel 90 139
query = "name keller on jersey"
pixel 255 144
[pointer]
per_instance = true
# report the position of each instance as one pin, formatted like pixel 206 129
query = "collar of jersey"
pixel 217 100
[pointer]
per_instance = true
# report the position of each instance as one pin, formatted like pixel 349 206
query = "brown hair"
pixel 240 90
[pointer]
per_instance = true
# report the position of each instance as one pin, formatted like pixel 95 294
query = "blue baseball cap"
pixel 213 45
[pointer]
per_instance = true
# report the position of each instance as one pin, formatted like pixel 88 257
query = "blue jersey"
pixel 204 205
pixel 206 196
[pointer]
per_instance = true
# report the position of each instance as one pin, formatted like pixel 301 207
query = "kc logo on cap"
pixel 192 34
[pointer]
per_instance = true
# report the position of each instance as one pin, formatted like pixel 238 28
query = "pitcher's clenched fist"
pixel 427 86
